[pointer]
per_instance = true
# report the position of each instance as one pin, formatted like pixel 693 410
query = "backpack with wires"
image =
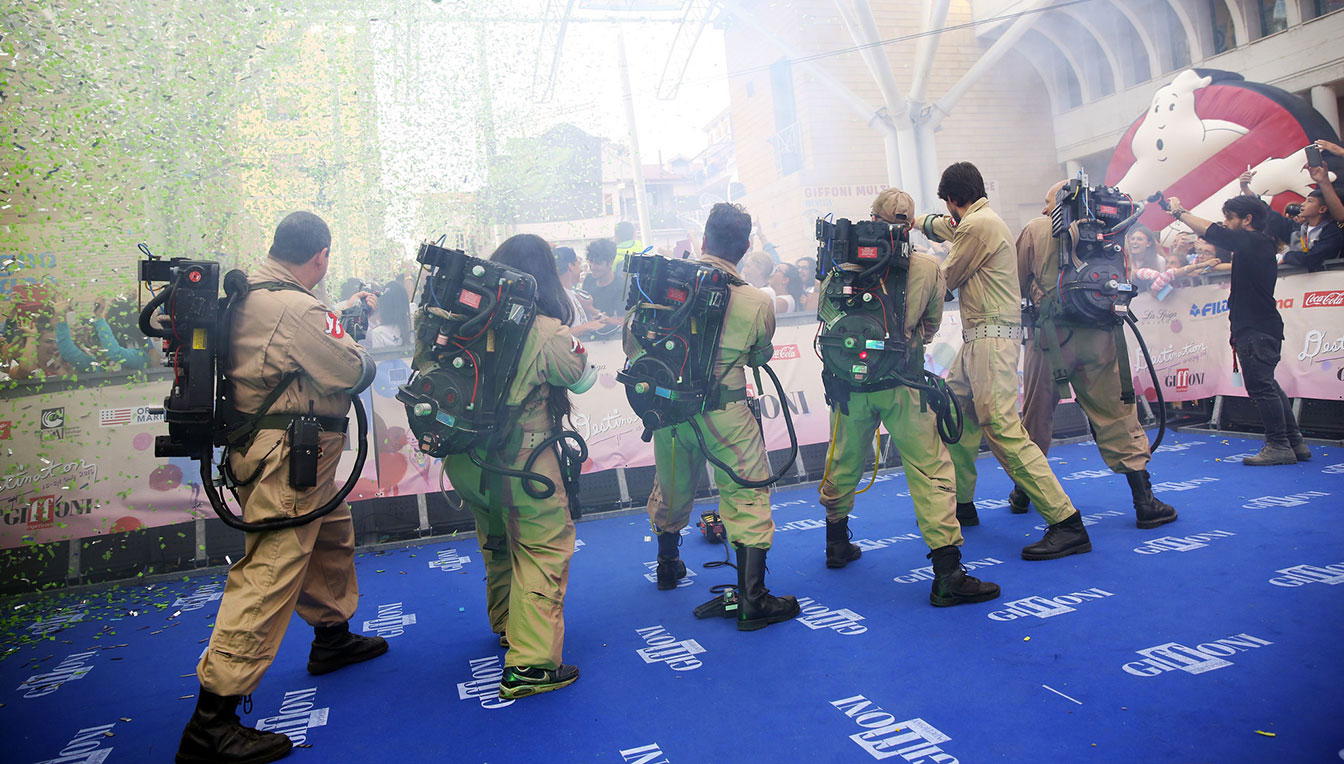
pixel 1090 224
pixel 861 309
pixel 474 319
pixel 677 313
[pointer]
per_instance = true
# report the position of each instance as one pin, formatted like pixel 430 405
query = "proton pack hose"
pixel 233 521
pixel 793 442
pixel 1157 386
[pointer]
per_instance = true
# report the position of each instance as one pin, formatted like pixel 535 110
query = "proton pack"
pixel 862 304
pixel 1090 224
pixel 678 309
pixel 195 328
pixel 862 341
pixel 192 308
pixel 473 321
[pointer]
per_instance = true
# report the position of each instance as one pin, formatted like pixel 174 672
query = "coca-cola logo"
pixel 786 353
pixel 1330 299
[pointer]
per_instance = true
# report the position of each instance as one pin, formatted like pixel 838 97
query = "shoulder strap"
pixel 276 286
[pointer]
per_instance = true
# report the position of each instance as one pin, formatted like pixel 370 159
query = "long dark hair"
pixel 531 254
pixel 795 283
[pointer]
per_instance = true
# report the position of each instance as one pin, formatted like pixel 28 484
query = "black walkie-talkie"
pixel 304 446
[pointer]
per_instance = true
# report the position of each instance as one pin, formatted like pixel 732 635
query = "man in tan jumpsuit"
pixel 913 430
pixel 1087 353
pixel 527 574
pixel 983 266
pixel 283 334
pixel 731 434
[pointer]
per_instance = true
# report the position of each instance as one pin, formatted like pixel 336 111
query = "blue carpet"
pixel 1229 657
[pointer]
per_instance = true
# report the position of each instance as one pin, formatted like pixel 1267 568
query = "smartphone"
pixel 1313 155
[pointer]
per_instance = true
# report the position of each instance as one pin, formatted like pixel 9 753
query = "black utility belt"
pixel 282 422
pixel 727 396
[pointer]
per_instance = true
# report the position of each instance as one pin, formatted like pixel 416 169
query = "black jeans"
pixel 1258 354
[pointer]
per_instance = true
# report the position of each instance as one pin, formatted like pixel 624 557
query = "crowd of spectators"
pixel 46 336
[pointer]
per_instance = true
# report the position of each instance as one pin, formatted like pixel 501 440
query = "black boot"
pixel 839 552
pixel 756 607
pixel 335 646
pixel 1150 511
pixel 1066 537
pixel 951 584
pixel 967 514
pixel 214 735
pixel 670 567
pixel 1018 501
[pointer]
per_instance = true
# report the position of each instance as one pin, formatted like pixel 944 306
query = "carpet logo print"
pixel 815 616
pixel 391 622
pixel 68 670
pixel 679 655
pixel 652 575
pixel 914 740
pixel 926 573
pixel 1334 469
pixel 869 545
pixel 1176 447
pixel 1047 607
pixel 59 620
pixel 297 716
pixel 1301 575
pixel 1175 486
pixel 450 561
pixel 198 599
pixel 801 525
pixel 1180 543
pixel 1199 659
pixel 644 754
pixel 484 683
pixel 1291 500
pixel 85 747
pixel 1091 519
pixel 1087 475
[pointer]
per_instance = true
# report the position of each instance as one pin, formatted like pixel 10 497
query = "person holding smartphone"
pixel 1257 327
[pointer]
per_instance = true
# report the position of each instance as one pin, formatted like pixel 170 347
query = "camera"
pixel 355 319
pixel 1292 210
pixel 474 317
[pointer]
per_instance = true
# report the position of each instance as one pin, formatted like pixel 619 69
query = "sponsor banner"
pixel 88 467
pixel 83 460
pixel 1188 336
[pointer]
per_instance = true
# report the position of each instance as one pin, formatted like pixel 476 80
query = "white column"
pixel 1325 100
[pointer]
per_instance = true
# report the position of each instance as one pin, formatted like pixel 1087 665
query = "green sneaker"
pixel 521 681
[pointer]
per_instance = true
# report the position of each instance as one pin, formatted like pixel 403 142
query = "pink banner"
pixel 1188 333
pixel 81 462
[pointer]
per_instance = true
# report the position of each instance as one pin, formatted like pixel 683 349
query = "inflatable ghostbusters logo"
pixel 1206 128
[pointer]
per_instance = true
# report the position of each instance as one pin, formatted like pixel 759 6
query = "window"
pixel 1273 16
pixel 1323 7
pixel 1224 38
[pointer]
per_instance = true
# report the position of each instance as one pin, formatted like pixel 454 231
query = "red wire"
pixel 476 371
pixel 499 296
pixel 682 370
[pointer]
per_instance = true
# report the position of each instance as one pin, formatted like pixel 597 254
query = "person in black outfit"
pixel 1257 328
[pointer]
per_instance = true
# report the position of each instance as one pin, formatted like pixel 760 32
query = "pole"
pixel 641 201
